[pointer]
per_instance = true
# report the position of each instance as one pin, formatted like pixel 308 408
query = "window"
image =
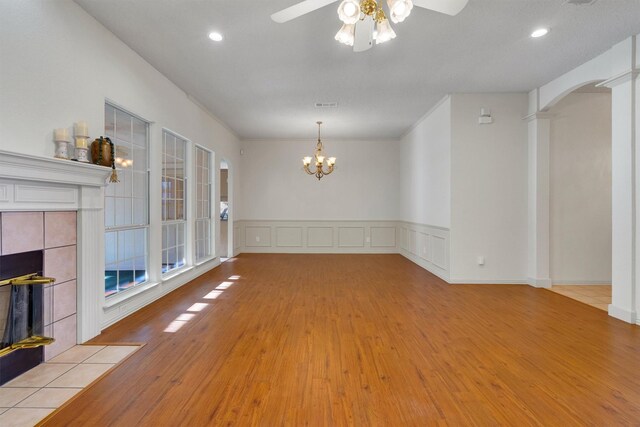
pixel 174 222
pixel 203 204
pixel 126 203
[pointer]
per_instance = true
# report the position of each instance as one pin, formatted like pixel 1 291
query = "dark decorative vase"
pixel 103 154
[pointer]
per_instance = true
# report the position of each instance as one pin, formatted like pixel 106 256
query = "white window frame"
pixel 185 221
pixel 211 193
pixel 134 226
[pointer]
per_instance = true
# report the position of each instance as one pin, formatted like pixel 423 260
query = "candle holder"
pixel 62 150
pixel 61 138
pixel 82 152
pixel 81 131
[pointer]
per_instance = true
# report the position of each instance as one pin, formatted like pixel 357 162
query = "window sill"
pixel 174 273
pixel 206 260
pixel 125 295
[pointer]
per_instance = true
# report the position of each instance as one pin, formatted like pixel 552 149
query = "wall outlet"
pixel 480 260
pixel 257 238
pixel 368 239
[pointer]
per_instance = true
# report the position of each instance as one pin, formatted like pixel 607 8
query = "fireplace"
pixel 60 205
pixel 22 308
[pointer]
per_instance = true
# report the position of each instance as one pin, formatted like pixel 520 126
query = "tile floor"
pixel 598 296
pixel 35 394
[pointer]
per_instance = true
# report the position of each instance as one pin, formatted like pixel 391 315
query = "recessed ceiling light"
pixel 215 36
pixel 539 32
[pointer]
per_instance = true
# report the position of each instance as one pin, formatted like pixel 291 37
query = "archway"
pixel 580 188
pixel 225 247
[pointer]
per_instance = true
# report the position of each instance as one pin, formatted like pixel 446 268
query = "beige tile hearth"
pixel 82 375
pixel 77 354
pixel 112 354
pixel 48 397
pixel 12 396
pixel 32 396
pixel 40 376
pixel 23 417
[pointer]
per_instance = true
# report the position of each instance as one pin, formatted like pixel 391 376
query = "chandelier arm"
pixel 329 170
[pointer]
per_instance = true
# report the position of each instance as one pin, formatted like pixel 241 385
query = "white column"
pixel 538 205
pixel 90 262
pixel 625 194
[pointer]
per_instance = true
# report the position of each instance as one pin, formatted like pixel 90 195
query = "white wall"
pixel 488 189
pixel 58 66
pixel 581 189
pixel 362 187
pixel 425 169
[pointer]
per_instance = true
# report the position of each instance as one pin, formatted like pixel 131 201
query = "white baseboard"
pixel 539 283
pixel 582 282
pixel 430 267
pixel 623 314
pixel 488 282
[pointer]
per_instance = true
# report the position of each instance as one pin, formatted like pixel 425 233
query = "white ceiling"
pixel 264 78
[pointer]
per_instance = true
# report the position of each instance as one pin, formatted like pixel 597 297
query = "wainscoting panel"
pixel 403 238
pixel 289 237
pixel 383 237
pixel 424 246
pixel 351 237
pixel 413 241
pixel 427 246
pixel 257 237
pixel 439 248
pixel 318 236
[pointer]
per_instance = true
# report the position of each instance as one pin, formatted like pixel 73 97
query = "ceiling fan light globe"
pixel 384 32
pixel 349 11
pixel 399 9
pixel 346 35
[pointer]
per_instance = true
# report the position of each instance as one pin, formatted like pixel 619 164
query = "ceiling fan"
pixel 365 21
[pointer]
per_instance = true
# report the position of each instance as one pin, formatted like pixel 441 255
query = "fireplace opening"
pixel 21 313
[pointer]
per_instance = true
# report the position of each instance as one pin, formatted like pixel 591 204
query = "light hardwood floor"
pixel 598 296
pixel 363 340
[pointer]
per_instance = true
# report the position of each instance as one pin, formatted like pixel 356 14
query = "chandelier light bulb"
pixel 306 161
pixel 346 35
pixel 384 32
pixel 399 9
pixel 349 11
pixel 320 159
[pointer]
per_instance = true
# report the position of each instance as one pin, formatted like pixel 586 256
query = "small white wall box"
pixel 480 260
pixel 485 117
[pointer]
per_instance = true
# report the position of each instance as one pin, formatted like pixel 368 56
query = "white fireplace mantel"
pixel 31 183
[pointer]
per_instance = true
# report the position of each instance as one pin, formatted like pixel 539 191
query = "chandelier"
pixel 352 11
pixel 320 158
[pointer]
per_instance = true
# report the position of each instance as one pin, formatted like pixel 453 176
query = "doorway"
pixel 223 249
pixel 580 196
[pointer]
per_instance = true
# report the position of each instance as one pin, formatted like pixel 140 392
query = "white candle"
pixel 81 129
pixel 61 134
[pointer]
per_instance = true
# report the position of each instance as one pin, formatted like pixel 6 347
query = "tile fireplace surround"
pixel 55 234
pixel 65 195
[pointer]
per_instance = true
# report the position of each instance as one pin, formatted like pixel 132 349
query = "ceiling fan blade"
pixel 364 35
pixel 450 7
pixel 299 9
